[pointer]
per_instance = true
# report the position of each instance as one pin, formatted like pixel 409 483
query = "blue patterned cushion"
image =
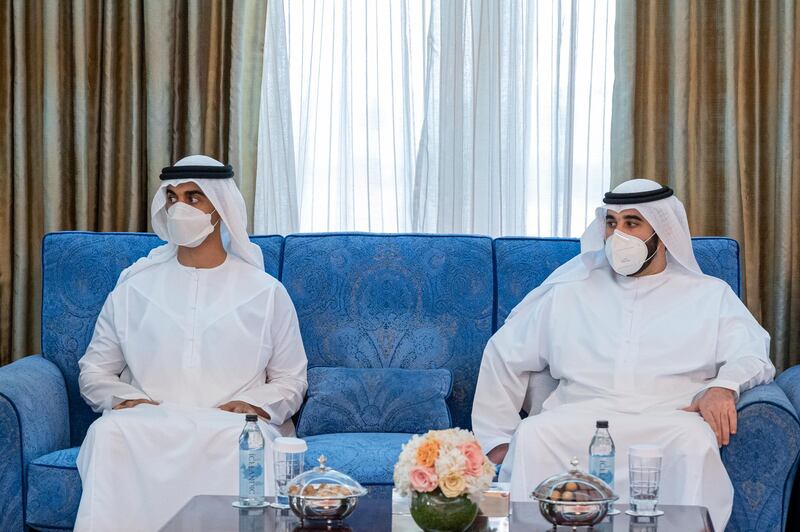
pixel 789 381
pixel 719 257
pixel 368 457
pixel 761 459
pixel 394 301
pixel 375 400
pixel 34 420
pixel 54 490
pixel 79 270
pixel 523 263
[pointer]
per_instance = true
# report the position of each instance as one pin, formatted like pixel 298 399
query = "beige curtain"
pixel 95 98
pixel 707 99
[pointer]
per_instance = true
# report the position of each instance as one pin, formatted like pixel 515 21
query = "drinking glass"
pixel 289 457
pixel 644 468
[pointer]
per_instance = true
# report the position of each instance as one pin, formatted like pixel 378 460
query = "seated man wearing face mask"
pixel 192 336
pixel 637 335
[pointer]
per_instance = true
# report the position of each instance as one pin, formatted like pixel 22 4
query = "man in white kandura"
pixel 191 337
pixel 634 333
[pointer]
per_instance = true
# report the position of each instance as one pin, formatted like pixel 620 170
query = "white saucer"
pixel 655 513
pixel 237 504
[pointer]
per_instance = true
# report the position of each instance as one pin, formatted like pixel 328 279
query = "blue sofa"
pixel 364 301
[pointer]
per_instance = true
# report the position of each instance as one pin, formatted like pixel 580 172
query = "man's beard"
pixel 652 247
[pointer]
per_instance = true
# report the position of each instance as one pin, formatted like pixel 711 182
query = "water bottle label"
pixel 603 468
pixel 251 474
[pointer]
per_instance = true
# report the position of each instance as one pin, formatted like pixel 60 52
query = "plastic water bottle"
pixel 251 464
pixel 601 454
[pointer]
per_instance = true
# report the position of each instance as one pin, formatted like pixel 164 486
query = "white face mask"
pixel 626 253
pixel 188 226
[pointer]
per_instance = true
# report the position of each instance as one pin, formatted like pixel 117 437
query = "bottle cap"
pixel 289 445
pixel 602 424
pixel 250 417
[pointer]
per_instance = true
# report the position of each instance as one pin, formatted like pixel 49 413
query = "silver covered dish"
pixel 323 494
pixel 574 498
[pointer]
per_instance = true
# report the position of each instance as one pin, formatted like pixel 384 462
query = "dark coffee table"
pixel 213 513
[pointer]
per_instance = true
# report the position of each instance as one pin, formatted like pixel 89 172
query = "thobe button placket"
pixel 190 359
pixel 623 370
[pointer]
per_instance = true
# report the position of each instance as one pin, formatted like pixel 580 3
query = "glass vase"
pixel 433 512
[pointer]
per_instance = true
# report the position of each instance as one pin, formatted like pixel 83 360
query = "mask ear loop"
pixel 219 219
pixel 650 257
pixel 656 251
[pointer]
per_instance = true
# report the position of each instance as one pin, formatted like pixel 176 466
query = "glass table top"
pixel 377 513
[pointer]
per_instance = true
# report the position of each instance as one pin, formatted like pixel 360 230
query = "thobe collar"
pixel 645 281
pixel 192 269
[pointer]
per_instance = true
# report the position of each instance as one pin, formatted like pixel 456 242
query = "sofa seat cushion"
pixel 54 490
pixel 375 400
pixel 368 457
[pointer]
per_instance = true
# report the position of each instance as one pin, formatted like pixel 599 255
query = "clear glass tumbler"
pixel 289 456
pixel 644 468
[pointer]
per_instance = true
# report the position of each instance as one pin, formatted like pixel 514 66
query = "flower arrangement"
pixel 450 461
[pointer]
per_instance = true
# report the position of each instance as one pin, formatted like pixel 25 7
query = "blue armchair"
pixel 405 302
pixel 762 458
pixel 44 418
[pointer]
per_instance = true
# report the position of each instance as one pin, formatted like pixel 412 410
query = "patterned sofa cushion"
pixel 54 490
pixel 368 457
pixel 394 301
pixel 375 400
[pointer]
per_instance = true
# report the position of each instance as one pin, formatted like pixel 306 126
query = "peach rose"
pixel 423 479
pixel 474 455
pixel 427 453
pixel 452 485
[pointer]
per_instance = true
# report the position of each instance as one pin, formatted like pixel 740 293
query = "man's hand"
pixel 718 408
pixel 498 454
pixel 130 403
pixel 240 407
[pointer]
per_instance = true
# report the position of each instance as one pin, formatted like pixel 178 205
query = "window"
pixel 485 117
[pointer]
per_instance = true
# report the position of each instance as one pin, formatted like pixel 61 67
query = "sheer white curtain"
pixel 473 116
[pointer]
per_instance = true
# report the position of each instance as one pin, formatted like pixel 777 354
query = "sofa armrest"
pixel 34 420
pixel 762 458
pixel 789 381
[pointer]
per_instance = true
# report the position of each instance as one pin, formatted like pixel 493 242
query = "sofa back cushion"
pixel 394 301
pixel 523 263
pixel 79 269
pixel 375 400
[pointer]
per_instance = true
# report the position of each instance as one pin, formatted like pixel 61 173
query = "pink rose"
pixel 474 455
pixel 423 479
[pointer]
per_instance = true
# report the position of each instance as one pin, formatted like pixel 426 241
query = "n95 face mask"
pixel 625 253
pixel 188 226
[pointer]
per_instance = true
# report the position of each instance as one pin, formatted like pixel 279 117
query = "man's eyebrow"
pixel 633 217
pixel 192 192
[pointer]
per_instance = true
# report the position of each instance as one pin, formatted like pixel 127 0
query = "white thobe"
pixel 630 350
pixel 190 339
